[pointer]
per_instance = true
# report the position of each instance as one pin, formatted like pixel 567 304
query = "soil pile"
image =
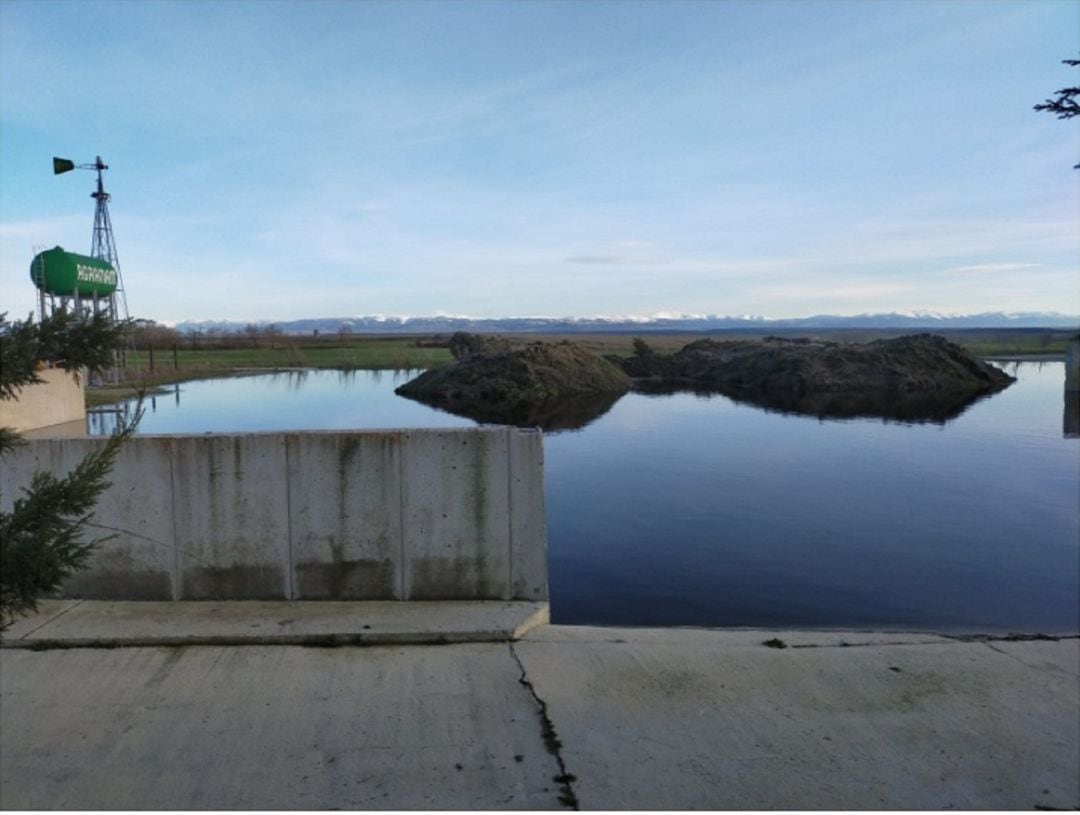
pixel 913 378
pixel 549 385
pixel 774 365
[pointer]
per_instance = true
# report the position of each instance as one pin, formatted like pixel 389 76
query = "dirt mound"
pixel 920 378
pixel 551 385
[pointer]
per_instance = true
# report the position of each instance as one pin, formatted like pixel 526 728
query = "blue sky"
pixel 276 160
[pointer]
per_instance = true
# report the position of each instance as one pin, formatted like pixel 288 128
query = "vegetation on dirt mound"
pixel 463 344
pixel 786 367
pixel 551 385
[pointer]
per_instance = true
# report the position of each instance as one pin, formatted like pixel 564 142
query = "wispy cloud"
pixel 601 260
pixel 843 291
pixel 981 269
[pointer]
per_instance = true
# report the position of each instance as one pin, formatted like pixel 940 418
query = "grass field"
pixel 370 354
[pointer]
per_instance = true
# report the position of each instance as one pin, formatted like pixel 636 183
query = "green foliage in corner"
pixel 41 537
pixel 62 340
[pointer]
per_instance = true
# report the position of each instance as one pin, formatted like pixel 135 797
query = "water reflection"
pixel 103 421
pixel 572 413
pixel 1070 422
pixel 697 510
pixel 292 399
pixel 906 408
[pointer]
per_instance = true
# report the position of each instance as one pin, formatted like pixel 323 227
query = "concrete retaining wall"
pixel 60 398
pixel 407 515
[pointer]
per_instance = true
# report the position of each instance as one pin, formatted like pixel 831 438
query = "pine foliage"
pixel 42 536
pixel 62 340
pixel 41 539
pixel 1065 106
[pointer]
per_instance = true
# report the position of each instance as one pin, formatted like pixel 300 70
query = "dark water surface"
pixel 689 509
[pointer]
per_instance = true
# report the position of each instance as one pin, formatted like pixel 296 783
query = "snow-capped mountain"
pixel 441 324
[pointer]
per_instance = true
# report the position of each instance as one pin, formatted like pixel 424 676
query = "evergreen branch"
pixel 64 340
pixel 41 538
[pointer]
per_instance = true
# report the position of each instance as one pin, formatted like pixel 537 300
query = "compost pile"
pixel 548 385
pixel 913 378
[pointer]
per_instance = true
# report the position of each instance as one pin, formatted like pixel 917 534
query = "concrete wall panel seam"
pixel 171 453
pixel 403 439
pixel 290 568
pixel 509 515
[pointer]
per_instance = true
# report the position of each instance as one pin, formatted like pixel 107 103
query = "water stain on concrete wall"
pixel 108 584
pixel 236 582
pixel 456 577
pixel 340 579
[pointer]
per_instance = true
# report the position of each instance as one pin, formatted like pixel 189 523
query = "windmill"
pixel 86 283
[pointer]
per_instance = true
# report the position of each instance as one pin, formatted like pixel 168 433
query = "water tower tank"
pixel 64 274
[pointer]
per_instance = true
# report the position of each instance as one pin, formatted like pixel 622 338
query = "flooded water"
pixel 690 509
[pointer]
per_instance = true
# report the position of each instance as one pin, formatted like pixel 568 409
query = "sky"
pixel 275 160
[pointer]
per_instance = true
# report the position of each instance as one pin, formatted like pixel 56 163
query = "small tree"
pixel 149 334
pixel 41 538
pixel 273 334
pixel 345 332
pixel 642 350
pixel 1065 106
pixel 253 332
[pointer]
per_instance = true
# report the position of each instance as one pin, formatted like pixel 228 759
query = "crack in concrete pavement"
pixel 567 796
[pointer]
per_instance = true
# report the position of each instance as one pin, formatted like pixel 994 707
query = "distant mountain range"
pixel 379 324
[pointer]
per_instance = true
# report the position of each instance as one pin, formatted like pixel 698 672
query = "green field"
pixel 370 354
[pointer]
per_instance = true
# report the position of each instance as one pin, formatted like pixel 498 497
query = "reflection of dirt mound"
pixel 552 386
pixel 570 413
pixel 915 378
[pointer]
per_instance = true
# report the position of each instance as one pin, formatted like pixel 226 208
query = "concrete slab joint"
pixel 363 515
pixel 565 779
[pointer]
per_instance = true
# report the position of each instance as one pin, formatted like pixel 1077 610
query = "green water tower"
pixel 66 274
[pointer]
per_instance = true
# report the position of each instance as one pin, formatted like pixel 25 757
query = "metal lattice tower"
pixel 103 244
pixel 102 248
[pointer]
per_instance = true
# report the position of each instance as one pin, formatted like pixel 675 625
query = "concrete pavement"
pixel 680 719
pixel 564 716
